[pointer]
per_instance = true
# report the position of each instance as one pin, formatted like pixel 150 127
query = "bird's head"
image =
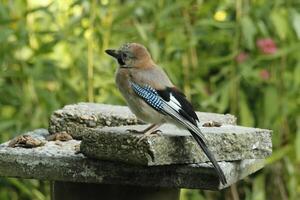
pixel 131 55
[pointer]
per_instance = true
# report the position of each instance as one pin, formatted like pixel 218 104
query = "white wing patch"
pixel 174 103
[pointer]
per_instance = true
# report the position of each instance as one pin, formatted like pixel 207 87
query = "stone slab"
pixel 175 146
pixel 58 161
pixel 74 118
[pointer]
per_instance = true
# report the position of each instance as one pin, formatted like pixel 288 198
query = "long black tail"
pixel 210 156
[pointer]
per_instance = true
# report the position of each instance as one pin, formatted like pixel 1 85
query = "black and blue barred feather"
pixel 149 94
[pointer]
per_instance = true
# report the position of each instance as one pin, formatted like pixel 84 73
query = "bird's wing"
pixel 173 103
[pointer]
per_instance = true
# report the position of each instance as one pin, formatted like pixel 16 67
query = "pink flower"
pixel 241 57
pixel 266 45
pixel 264 74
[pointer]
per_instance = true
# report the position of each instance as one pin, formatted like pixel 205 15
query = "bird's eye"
pixel 124 55
pixel 122 59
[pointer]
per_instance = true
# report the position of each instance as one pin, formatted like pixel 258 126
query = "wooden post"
pixel 79 191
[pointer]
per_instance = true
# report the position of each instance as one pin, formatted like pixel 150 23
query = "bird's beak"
pixel 114 53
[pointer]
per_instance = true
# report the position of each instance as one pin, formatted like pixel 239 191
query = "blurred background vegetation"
pixel 232 56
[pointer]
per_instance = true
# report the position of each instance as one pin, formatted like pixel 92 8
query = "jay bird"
pixel 153 98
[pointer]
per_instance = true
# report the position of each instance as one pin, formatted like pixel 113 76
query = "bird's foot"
pixel 148 134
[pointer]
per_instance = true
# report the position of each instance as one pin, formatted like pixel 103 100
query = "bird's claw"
pixel 146 135
pixel 156 132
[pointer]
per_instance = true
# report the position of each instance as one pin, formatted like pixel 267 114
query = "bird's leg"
pixel 143 131
pixel 151 130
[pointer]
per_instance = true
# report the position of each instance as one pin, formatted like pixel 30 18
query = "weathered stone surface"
pixel 175 146
pixel 58 161
pixel 73 118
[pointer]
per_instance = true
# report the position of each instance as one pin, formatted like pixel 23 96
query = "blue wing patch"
pixel 149 94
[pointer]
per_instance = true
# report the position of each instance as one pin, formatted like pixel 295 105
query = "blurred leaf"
pixel 297 73
pixel 249 31
pixel 23 188
pixel 296 22
pixel 224 99
pixel 297 141
pixel 4 34
pixel 271 104
pixel 246 116
pixel 279 154
pixel 292 182
pixel 262 28
pixel 258 192
pixel 155 50
pixel 7 111
pixel 190 195
pixel 6 124
pixel 279 20
pixel 141 30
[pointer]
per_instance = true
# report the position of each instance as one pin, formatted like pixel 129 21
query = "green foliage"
pixel 52 54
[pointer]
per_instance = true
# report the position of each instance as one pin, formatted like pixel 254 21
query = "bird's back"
pixel 154 77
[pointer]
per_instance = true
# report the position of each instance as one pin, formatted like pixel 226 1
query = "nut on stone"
pixel 212 124
pixel 25 141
